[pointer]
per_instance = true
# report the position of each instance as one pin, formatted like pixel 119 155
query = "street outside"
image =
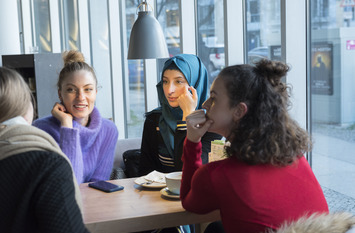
pixel 136 104
pixel 333 163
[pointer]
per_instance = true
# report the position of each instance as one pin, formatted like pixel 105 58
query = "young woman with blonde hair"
pixel 84 136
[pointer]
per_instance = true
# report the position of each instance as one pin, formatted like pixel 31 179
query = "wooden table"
pixel 134 209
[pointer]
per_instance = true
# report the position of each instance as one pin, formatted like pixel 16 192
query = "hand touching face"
pixel 188 101
pixel 197 125
pixel 59 111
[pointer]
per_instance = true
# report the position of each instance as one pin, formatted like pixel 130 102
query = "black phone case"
pixel 105 186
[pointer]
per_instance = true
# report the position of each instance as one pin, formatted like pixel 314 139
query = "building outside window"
pixel 263 30
pixel 210 35
pixel 332 99
pixel 168 15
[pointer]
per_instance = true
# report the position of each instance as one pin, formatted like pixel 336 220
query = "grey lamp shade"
pixel 147 39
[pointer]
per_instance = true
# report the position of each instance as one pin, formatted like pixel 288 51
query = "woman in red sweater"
pixel 265 179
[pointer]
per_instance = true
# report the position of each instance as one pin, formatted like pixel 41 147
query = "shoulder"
pixel 48 124
pixel 152 117
pixel 37 169
pixel 45 122
pixel 42 161
pixel 153 114
pixel 109 126
pixel 216 168
pixel 106 123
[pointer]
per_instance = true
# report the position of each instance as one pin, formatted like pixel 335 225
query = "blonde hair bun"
pixel 72 56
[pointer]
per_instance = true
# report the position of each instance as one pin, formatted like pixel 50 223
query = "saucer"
pixel 143 182
pixel 166 193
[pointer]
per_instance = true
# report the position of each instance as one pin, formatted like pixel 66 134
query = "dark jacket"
pixel 37 194
pixel 152 140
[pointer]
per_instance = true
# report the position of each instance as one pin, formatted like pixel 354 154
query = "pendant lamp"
pixel 147 39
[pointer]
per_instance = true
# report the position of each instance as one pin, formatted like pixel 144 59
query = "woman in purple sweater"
pixel 84 136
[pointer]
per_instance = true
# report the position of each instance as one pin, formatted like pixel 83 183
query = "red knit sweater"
pixel 250 198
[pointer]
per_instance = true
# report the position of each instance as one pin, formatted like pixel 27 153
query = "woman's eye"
pixel 89 89
pixel 165 82
pixel 70 90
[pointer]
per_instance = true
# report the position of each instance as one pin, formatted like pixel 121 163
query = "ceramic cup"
pixel 173 182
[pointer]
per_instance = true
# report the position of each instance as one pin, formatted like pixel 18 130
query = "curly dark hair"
pixel 266 134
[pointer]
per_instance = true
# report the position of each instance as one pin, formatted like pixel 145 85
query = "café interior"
pixel 306 35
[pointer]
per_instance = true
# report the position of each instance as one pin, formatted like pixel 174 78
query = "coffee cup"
pixel 173 182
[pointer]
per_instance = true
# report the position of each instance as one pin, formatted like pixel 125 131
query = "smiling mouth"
pixel 80 107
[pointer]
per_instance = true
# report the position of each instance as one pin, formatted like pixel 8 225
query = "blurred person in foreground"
pixel 39 192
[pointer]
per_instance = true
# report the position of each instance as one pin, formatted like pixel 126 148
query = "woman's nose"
pixel 205 104
pixel 80 95
pixel 171 88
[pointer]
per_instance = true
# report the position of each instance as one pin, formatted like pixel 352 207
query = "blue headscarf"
pixel 196 75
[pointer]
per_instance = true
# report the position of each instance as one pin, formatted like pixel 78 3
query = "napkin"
pixel 156 176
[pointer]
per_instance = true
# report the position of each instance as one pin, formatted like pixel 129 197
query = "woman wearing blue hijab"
pixel 182 89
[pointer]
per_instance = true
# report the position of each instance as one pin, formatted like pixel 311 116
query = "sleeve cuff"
pixel 181 125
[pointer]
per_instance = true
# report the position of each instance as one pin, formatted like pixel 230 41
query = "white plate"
pixel 143 182
pixel 166 193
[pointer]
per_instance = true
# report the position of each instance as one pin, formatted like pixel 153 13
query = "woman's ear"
pixel 240 110
pixel 60 96
pixel 29 114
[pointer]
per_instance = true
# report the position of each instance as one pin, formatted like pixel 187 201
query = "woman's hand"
pixel 59 112
pixel 197 125
pixel 188 102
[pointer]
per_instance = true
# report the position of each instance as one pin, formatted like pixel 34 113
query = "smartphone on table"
pixel 105 186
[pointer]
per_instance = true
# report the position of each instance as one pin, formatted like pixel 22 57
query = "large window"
pixel 210 35
pixel 41 27
pixel 168 15
pixel 332 98
pixel 263 30
pixel 69 24
pixel 135 97
pixel 100 53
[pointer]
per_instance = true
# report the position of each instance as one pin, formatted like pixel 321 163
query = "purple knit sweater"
pixel 90 149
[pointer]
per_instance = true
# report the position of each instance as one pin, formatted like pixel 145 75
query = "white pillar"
pixel 188 29
pixel 9 28
pixel 233 32
pixel 294 34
